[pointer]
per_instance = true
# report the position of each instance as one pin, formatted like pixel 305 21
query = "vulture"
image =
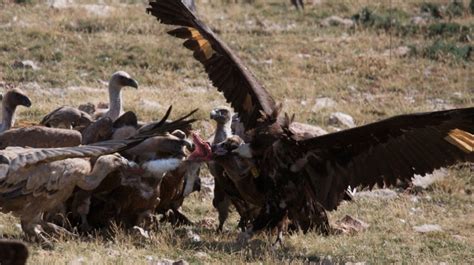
pixel 225 191
pixel 13 252
pixel 37 180
pixel 118 80
pixel 132 199
pixel 34 136
pixel 299 179
pixel 10 100
pixel 68 116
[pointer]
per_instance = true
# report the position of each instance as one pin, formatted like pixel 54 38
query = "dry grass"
pixel 298 61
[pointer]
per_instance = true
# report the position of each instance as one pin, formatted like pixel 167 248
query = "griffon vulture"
pixel 35 180
pixel 300 179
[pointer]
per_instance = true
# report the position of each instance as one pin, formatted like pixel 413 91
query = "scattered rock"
pixel 401 51
pixel 380 194
pixel 26 64
pixel 77 261
pixel 303 55
pixel 339 118
pixel 427 180
pixel 193 236
pixel 150 104
pixel 427 228
pixel 169 262
pixel 322 103
pixel 60 3
pixel 201 255
pixel 337 21
pixel 350 225
pixel 98 10
pixel 419 20
pixel 307 130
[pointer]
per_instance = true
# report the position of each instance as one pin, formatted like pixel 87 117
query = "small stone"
pixel 427 228
pixel 339 118
pixel 201 255
pixel 322 103
pixel 350 225
pixel 401 51
pixel 193 236
pixel 380 194
pixel 428 180
pixel 337 21
pixel 418 20
pixel 26 64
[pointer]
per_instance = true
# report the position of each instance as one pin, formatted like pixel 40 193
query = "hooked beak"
pixel 132 83
pixel 25 101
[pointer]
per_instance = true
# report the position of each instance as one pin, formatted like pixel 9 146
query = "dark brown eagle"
pixel 297 179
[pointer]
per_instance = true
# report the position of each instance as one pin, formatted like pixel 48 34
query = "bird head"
pixel 221 115
pixel 121 79
pixel 15 97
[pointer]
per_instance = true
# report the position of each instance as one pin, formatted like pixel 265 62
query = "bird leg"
pixel 52 229
pixel 181 219
pixel 34 232
pixel 80 206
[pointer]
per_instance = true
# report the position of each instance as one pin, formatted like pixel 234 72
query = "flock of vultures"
pixel 84 167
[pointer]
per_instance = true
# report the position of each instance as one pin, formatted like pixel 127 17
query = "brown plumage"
pixel 299 179
pixel 67 118
pixel 160 186
pixel 13 252
pixel 40 137
pixel 35 180
pixel 225 191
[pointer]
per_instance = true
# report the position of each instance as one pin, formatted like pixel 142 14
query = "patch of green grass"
pixel 440 49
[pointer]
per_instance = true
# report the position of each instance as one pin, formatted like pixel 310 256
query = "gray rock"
pixel 380 194
pixel 26 64
pixel 339 118
pixel 427 228
pixel 322 103
pixel 419 20
pixel 428 180
pixel 337 21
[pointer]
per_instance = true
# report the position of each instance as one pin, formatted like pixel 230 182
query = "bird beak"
pixel 134 168
pixel 25 101
pixel 133 83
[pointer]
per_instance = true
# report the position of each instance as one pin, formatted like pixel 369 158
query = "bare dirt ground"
pixel 385 58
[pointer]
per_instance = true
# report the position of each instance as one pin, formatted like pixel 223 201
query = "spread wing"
pixel 13 159
pixel 382 152
pixel 226 71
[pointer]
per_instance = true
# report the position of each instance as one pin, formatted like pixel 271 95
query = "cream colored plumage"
pixel 34 180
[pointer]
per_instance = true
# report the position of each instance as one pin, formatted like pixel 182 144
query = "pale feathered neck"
pixel 115 101
pixel 223 131
pixel 8 116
